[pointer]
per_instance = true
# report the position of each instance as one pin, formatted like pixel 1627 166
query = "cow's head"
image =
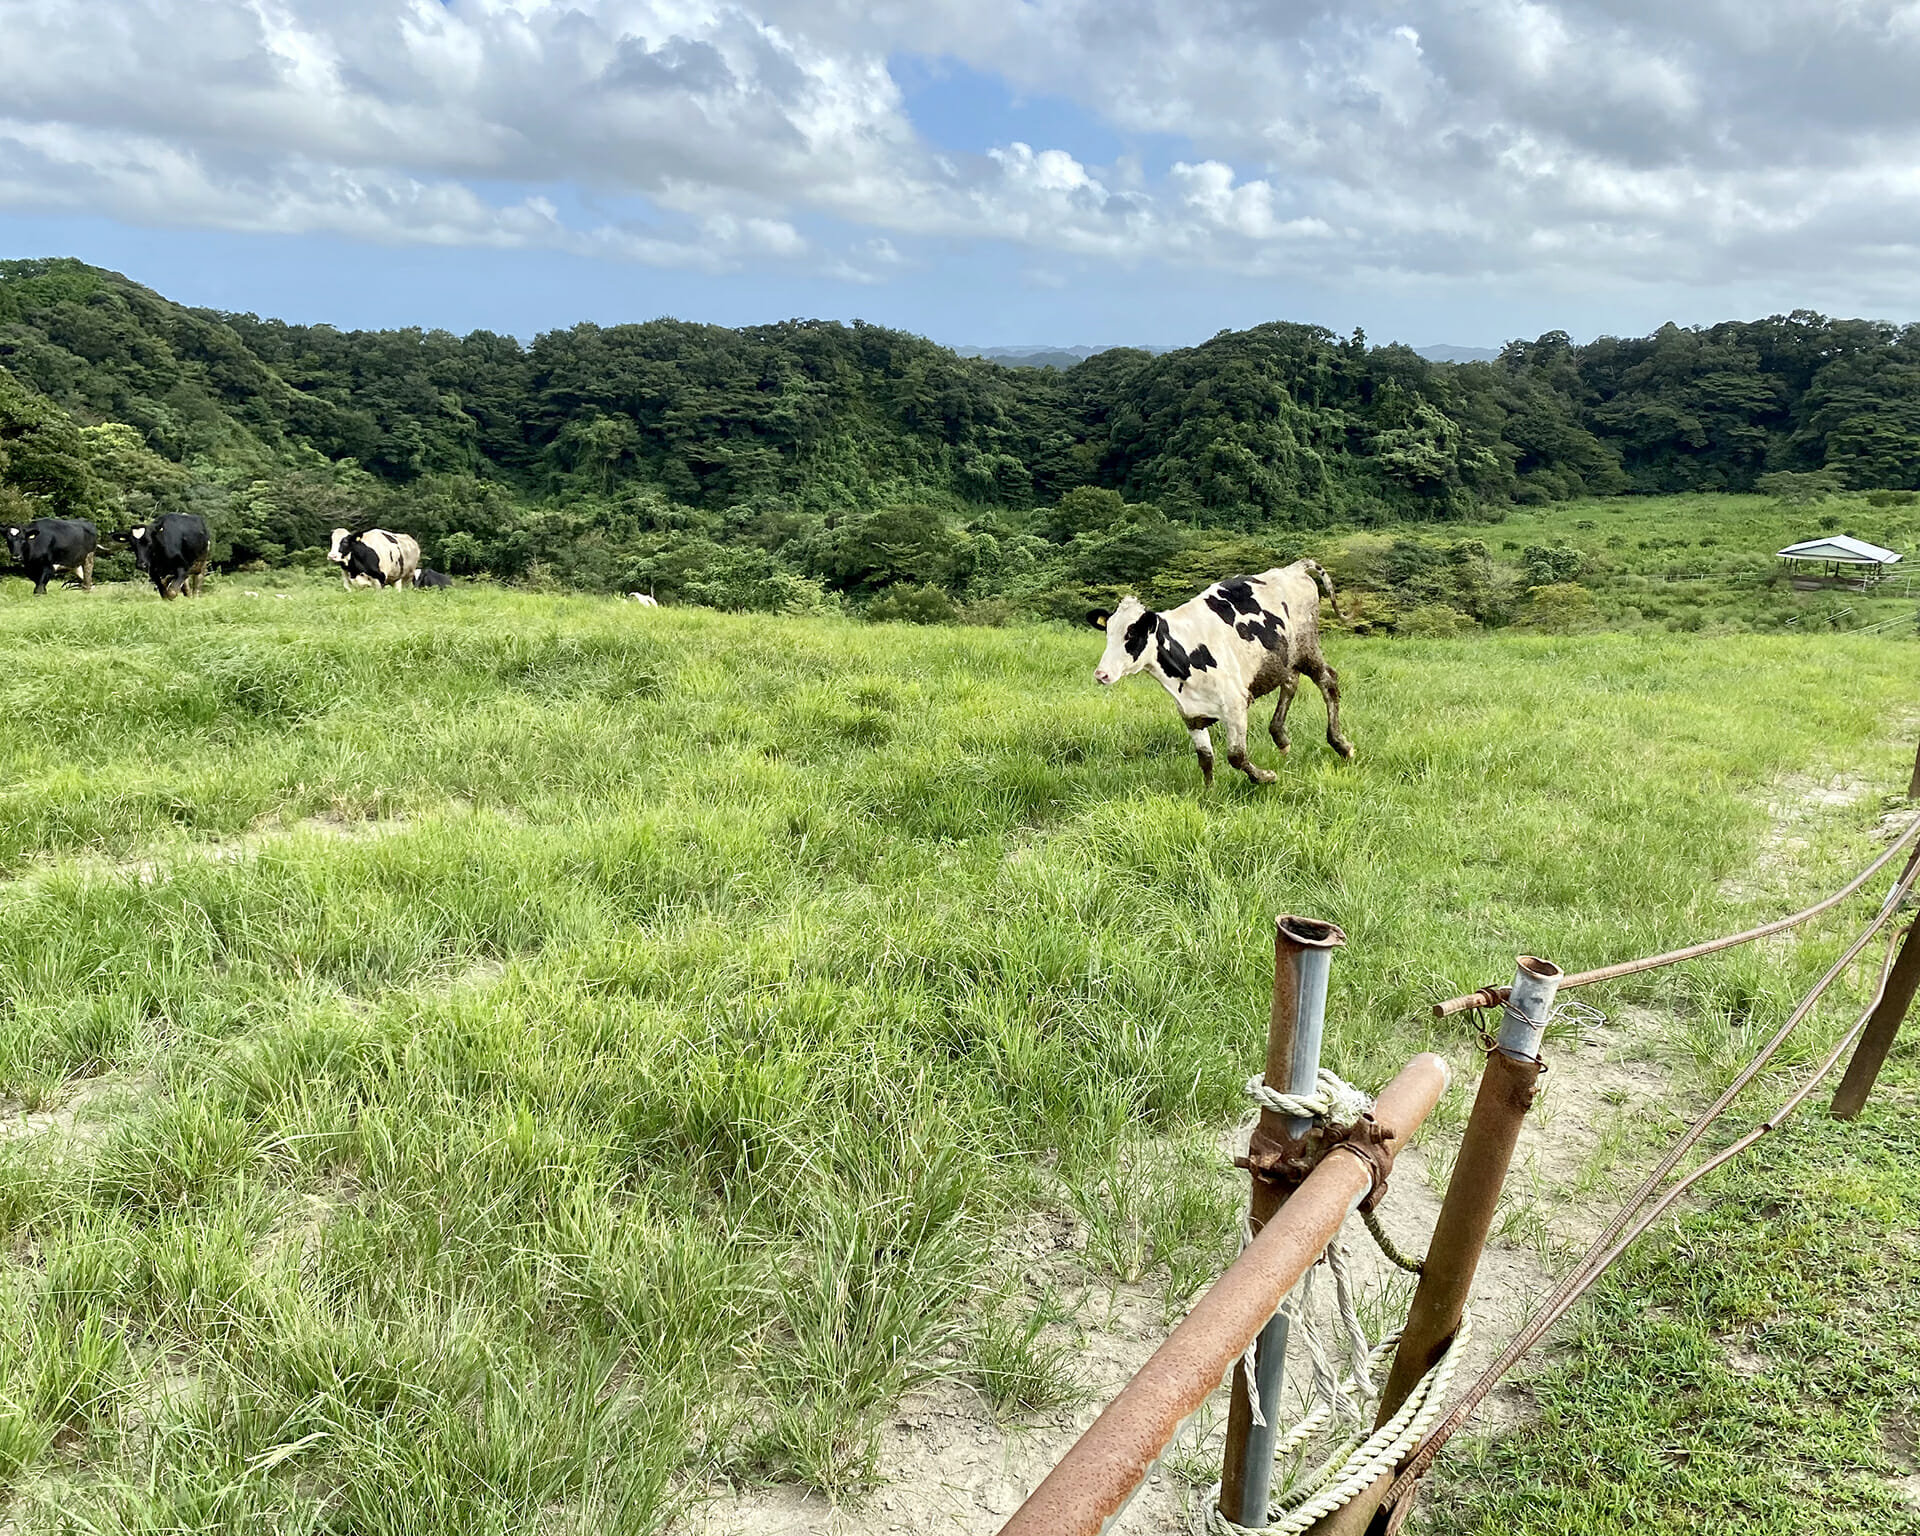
pixel 343 540
pixel 137 537
pixel 1129 628
pixel 16 544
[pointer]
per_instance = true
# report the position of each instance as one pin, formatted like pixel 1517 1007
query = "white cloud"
pixel 1628 140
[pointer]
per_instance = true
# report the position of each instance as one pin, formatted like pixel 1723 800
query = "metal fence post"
pixel 1876 1041
pixel 1302 958
pixel 1507 1086
pixel 1870 1055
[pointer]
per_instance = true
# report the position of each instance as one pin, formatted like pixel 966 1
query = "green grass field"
pixel 492 1062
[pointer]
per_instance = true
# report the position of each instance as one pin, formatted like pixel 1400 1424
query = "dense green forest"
pixel 811 463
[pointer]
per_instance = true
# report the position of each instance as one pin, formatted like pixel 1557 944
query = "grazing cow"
pixel 48 545
pixel 1238 641
pixel 427 578
pixel 375 557
pixel 644 599
pixel 173 551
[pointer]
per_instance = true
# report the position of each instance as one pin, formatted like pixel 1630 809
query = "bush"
pixel 988 613
pixel 1799 489
pixel 1435 621
pixel 1561 607
pixel 912 605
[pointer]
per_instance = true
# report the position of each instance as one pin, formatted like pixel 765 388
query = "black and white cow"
pixel 172 549
pixel 1238 641
pixel 375 558
pixel 429 578
pixel 51 545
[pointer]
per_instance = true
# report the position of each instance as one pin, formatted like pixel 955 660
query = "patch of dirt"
pixel 75 1120
pixel 1794 806
pixel 949 1466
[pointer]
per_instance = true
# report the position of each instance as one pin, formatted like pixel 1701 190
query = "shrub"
pixel 1561 607
pixel 1435 621
pixel 912 605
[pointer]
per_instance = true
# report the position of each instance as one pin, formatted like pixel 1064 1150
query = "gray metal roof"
pixel 1841 548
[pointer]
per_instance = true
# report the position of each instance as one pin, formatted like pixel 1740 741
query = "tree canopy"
pixel 803 459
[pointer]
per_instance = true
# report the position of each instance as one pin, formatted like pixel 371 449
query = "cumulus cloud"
pixel 1708 142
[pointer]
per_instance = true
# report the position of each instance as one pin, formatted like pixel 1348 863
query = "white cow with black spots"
pixel 1238 641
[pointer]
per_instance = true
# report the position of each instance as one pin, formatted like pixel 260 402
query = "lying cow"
pixel 173 551
pixel 644 599
pixel 52 545
pixel 428 578
pixel 375 557
pixel 1238 641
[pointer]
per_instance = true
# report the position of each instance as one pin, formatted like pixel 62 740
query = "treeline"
pixel 813 463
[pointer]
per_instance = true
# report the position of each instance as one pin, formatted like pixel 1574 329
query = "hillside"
pixel 809 464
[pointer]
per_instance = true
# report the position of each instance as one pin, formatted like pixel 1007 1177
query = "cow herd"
pixel 1239 640
pixel 173 550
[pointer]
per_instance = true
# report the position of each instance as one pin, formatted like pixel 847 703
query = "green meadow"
pixel 489 1061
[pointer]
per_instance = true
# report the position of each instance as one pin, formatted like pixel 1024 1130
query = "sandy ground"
pixel 949 1466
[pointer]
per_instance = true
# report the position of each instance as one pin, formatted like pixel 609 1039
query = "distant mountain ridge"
pixel 1048 357
pixel 1442 353
pixel 1067 357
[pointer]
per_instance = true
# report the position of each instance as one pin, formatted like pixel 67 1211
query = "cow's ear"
pixel 1098 618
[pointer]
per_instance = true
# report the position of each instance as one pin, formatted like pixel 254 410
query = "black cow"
pixel 173 550
pixel 428 578
pixel 48 545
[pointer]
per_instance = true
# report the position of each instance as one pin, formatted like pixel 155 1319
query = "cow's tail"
pixel 1325 583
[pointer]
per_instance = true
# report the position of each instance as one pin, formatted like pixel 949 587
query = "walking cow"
pixel 377 557
pixel 1238 641
pixel 50 545
pixel 173 551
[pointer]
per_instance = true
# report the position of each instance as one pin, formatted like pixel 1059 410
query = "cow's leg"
pixel 1277 727
pixel 86 573
pixel 1197 728
pixel 1235 720
pixel 1328 682
pixel 196 578
pixel 40 582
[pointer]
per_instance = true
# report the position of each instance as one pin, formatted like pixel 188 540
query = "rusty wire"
pixel 1626 1225
pixel 1494 996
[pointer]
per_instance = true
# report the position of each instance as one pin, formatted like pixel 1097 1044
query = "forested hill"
pixel 811 455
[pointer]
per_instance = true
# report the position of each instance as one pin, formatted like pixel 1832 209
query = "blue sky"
pixel 1003 172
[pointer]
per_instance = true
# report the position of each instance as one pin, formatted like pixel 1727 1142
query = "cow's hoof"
pixel 1262 776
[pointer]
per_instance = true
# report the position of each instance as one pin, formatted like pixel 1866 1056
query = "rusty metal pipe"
pixel 1493 997
pixel 1507 1086
pixel 1096 1478
pixel 1883 1024
pixel 1302 962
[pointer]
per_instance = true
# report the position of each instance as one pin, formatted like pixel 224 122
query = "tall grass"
pixel 562 1054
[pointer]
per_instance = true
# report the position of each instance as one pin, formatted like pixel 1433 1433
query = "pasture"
pixel 496 1061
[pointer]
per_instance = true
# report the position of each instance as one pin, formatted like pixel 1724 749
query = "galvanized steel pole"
pixel 1466 1214
pixel 1302 959
pixel 1096 1478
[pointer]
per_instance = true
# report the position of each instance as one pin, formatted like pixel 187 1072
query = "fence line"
pixel 1302 1194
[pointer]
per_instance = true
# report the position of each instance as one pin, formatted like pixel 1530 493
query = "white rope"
pixel 1334 1100
pixel 1358 1460
pixel 1356 1465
